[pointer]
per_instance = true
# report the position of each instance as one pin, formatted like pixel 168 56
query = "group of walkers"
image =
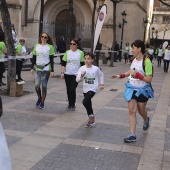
pixel 72 61
pixel 77 66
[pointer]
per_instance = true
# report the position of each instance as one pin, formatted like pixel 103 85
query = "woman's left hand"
pixel 52 74
pixel 133 73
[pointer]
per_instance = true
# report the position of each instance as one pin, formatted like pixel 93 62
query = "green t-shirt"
pixel 148 67
pixel 2 48
pixel 18 49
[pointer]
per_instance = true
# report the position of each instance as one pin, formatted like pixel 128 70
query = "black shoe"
pixel 20 79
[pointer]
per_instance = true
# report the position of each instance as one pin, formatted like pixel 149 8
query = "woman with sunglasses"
pixel 20 51
pixel 43 53
pixel 71 62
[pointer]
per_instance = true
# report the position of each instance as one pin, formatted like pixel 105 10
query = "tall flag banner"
pixel 100 21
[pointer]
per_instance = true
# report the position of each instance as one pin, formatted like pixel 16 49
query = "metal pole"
pixel 41 17
pixel 114 34
pixel 120 57
pixel 144 34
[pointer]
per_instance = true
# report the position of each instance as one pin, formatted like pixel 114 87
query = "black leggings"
pixel 2 70
pixel 159 61
pixel 166 65
pixel 19 64
pixel 71 86
pixel 87 102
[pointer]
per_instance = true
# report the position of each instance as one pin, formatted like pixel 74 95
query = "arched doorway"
pixel 61 24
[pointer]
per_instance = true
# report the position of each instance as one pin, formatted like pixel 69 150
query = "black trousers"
pixel 19 64
pixel 2 70
pixel 159 61
pixel 166 65
pixel 151 57
pixel 87 102
pixel 71 86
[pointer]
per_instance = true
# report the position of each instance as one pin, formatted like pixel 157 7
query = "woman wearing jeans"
pixel 43 60
pixel 71 62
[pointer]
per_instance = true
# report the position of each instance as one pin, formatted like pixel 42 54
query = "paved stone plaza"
pixel 56 139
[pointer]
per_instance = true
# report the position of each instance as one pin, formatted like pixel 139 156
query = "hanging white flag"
pixel 100 21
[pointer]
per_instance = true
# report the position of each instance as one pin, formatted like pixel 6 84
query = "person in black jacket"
pixel 61 47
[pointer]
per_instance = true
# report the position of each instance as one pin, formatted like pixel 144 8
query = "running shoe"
pixel 130 138
pixel 91 121
pixel 146 125
pixel 38 102
pixel 68 108
pixel 41 105
pixel 73 108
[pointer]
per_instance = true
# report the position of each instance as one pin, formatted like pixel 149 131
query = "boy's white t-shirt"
pixel 91 78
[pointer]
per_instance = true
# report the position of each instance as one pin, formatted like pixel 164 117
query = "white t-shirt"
pixel 167 54
pixel 138 68
pixel 130 51
pixel 73 59
pixel 160 52
pixel 24 50
pixel 91 78
pixel 43 53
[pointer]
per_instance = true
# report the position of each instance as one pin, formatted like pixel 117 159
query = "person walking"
pixel 20 51
pixel 150 53
pixel 126 52
pixel 160 55
pixel 71 62
pixel 61 47
pixel 3 51
pixel 138 88
pixel 90 74
pixel 14 35
pixel 43 53
pixel 166 59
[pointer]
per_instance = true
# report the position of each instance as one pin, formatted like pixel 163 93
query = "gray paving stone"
pixel 12 140
pixel 108 134
pixel 87 159
pixel 24 122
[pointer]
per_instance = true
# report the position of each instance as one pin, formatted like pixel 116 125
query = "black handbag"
pixel 1 108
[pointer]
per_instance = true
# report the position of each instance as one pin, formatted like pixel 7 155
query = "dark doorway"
pixel 61 24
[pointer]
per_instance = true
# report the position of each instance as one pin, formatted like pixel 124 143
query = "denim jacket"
pixel 147 91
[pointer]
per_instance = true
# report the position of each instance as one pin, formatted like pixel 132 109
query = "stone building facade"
pixel 161 22
pixel 25 15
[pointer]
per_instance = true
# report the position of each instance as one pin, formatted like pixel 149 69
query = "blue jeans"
pixel 41 77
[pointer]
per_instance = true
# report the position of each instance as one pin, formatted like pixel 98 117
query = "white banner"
pixel 100 21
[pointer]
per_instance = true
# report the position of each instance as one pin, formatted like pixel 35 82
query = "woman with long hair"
pixel 71 62
pixel 43 64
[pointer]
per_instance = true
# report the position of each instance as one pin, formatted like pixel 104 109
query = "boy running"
pixel 90 74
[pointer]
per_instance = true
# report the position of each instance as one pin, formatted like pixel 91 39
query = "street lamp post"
pixel 145 25
pixel 153 30
pixel 114 29
pixel 41 17
pixel 123 23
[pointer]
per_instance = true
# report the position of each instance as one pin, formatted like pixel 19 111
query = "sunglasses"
pixel 73 44
pixel 22 40
pixel 44 37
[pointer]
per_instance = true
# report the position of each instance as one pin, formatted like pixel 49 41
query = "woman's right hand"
pixel 32 71
pixel 62 75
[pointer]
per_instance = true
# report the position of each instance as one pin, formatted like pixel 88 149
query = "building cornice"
pixel 135 3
